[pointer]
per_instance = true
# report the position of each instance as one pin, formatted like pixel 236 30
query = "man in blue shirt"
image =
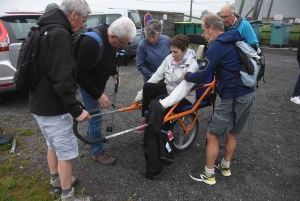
pixel 233 21
pixel 231 115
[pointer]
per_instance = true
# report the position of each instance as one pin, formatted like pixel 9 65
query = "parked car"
pixel 14 27
pixel 109 15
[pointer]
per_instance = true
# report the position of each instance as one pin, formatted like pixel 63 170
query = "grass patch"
pixel 5 118
pixel 18 184
pixel 27 132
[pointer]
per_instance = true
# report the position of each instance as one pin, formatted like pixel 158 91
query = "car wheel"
pixel 1 97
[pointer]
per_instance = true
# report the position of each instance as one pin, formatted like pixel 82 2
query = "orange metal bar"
pixel 133 107
pixel 187 130
pixel 169 116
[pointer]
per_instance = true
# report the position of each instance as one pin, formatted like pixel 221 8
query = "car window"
pixel 134 16
pixel 93 20
pixel 20 25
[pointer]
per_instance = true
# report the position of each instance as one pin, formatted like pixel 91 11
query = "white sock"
pixel 225 163
pixel 209 171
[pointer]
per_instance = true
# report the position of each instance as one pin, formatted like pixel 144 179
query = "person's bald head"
pixel 228 14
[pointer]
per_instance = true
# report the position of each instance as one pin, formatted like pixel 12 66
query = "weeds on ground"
pixel 17 182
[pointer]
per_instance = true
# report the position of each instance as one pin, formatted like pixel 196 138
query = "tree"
pixel 203 13
pixel 51 6
pixel 219 13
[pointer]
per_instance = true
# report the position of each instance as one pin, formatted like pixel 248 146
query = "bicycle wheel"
pixel 182 140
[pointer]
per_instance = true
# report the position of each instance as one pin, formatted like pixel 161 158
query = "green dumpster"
pixel 280 33
pixel 257 31
pixel 179 28
pixel 189 28
pixel 256 26
pixel 198 27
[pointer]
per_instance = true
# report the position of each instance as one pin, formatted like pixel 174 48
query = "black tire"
pixel 183 141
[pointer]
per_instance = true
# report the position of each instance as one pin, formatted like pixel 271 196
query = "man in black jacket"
pixel 92 77
pixel 53 101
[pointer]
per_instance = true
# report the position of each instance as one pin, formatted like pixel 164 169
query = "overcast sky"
pixel 182 6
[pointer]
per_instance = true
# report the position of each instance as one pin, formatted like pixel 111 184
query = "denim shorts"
pixel 222 119
pixel 59 135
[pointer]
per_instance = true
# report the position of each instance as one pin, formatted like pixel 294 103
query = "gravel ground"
pixel 265 166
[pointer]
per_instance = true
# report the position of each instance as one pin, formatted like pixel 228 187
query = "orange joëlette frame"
pixel 170 115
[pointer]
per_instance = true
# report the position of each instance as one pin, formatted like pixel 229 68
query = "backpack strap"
pixel 98 39
pixel 94 33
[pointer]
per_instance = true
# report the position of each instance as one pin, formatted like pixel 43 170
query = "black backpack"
pixel 27 74
pixel 92 32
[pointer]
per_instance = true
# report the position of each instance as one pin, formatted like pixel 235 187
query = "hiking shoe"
pixel 203 177
pixel 224 170
pixel 72 197
pixel 296 100
pixel 55 187
pixel 104 158
pixel 141 129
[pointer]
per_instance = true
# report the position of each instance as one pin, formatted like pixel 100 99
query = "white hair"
pixel 81 6
pixel 123 27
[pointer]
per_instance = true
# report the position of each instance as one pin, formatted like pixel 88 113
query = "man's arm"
pixel 87 54
pixel 181 90
pixel 61 72
pixel 248 33
pixel 212 58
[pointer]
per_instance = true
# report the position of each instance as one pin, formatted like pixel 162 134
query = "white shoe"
pixel 296 100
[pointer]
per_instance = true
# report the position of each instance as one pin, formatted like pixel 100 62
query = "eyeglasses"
pixel 226 16
pixel 203 29
pixel 124 44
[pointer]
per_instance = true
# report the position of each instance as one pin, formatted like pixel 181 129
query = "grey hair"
pixel 81 6
pixel 232 8
pixel 152 28
pixel 214 20
pixel 123 27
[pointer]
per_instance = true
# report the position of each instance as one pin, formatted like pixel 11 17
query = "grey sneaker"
pixel 104 158
pixel 72 197
pixel 55 187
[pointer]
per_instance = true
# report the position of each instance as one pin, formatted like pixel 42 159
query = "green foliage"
pixel 19 182
pixel 27 132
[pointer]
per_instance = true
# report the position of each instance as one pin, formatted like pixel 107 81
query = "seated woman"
pixel 172 90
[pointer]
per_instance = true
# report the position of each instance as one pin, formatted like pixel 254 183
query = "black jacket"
pixel 56 92
pixel 92 78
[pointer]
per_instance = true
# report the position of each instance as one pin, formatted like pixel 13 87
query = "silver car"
pixel 14 27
